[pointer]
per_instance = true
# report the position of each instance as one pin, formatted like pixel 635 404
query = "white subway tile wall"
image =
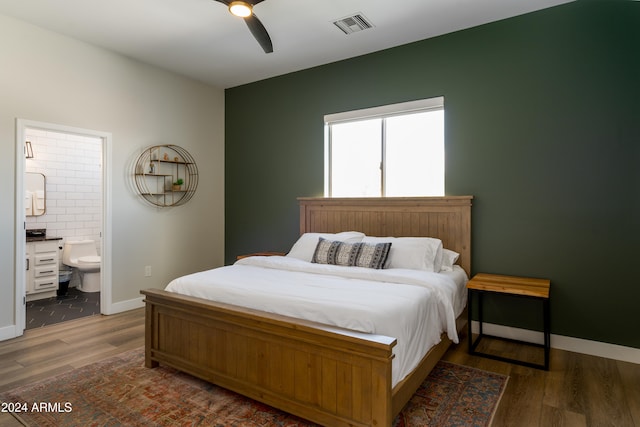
pixel 72 165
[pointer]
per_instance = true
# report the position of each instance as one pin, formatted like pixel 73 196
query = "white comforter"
pixel 414 307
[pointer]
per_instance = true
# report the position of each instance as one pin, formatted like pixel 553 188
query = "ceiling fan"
pixel 244 9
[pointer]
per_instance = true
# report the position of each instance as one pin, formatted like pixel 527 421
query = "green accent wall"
pixel 542 116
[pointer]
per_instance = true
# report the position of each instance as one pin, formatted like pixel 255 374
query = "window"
pixel 394 150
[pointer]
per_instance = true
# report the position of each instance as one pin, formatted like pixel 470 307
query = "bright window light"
pixel 389 151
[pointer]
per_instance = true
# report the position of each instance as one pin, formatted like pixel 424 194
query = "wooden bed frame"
pixel 328 375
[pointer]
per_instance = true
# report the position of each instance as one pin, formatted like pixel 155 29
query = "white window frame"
pixel 384 111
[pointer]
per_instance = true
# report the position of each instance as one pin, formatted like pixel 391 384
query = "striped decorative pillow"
pixel 335 253
pixel 373 255
pixel 351 254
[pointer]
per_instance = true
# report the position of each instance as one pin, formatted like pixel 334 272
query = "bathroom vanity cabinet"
pixel 42 269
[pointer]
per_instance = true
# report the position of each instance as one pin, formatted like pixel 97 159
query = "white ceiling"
pixel 202 40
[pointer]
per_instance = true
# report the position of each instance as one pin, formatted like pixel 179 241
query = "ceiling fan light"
pixel 240 8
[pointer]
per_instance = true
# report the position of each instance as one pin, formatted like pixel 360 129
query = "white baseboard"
pixel 119 307
pixel 7 332
pixel 561 342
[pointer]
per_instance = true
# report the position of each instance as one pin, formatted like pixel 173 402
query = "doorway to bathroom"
pixel 72 207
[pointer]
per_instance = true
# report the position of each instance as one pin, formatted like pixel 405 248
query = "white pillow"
pixel 416 253
pixel 449 258
pixel 306 245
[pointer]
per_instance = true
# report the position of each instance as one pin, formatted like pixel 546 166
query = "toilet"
pixel 82 255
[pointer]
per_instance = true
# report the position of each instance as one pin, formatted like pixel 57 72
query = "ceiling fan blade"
pixel 259 32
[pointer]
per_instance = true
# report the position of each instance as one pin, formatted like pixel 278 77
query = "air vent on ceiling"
pixel 353 23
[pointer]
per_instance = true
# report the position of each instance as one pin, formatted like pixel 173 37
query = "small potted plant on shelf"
pixel 177 184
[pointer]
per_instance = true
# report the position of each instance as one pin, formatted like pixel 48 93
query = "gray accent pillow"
pixel 351 254
pixel 373 255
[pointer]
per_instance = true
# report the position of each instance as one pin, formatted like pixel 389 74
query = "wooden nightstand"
pixel 524 287
pixel 267 253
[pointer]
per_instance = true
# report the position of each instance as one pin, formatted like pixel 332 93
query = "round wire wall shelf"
pixel 166 175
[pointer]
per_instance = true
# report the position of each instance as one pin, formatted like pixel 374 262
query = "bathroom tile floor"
pixel 58 309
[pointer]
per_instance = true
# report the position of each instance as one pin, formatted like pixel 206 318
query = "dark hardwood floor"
pixel 578 390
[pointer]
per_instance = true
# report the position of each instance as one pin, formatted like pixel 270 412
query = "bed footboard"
pixel 327 375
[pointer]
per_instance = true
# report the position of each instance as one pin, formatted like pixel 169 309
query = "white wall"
pixel 51 78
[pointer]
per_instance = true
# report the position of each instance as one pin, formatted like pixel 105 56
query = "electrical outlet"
pixel 147 271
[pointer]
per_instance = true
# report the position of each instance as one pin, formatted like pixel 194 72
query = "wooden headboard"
pixel 446 218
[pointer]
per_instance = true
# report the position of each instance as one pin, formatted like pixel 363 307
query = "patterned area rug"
pixel 121 392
